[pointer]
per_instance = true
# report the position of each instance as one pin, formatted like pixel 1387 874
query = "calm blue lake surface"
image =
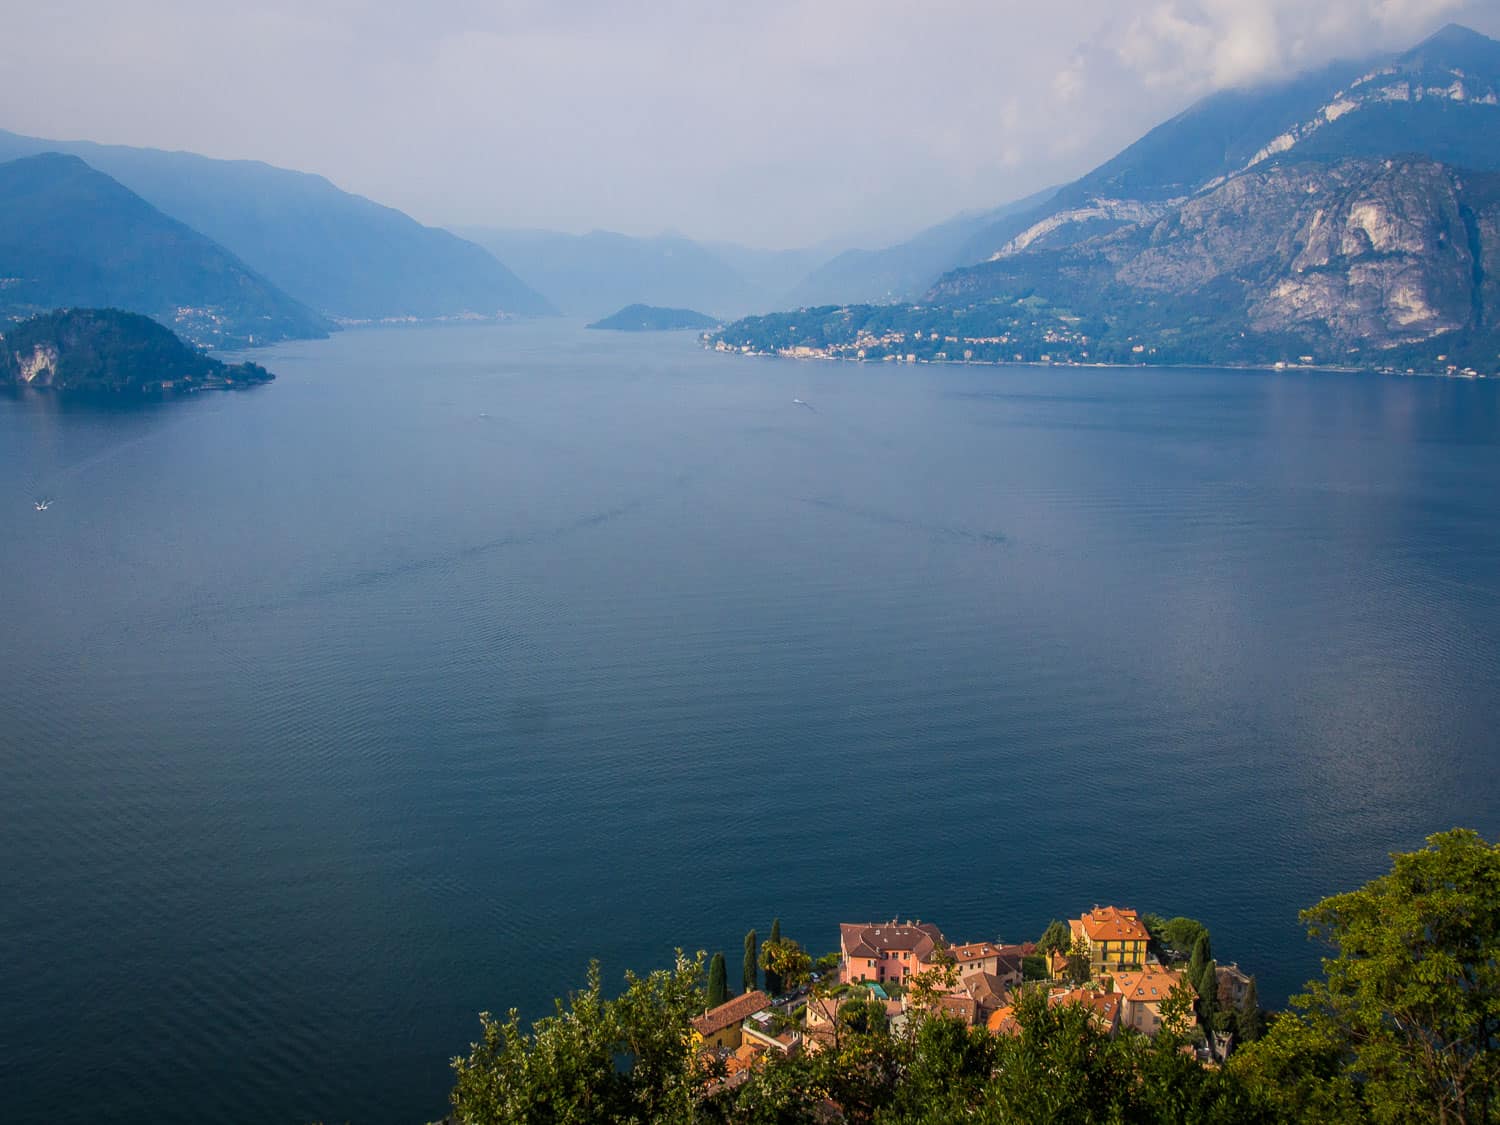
pixel 336 711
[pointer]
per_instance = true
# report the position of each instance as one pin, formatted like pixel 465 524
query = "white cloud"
pixel 1198 45
pixel 775 121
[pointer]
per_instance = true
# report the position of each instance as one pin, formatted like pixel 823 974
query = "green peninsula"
pixel 650 318
pixel 114 352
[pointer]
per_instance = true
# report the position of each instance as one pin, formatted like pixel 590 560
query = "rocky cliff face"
pixel 1374 253
pixel 1441 99
pixel 37 367
pixel 113 352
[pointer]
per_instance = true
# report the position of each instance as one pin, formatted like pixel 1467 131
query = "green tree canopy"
pixel 785 962
pixel 594 1060
pixel 773 983
pixel 750 968
pixel 1055 938
pixel 1413 985
pixel 718 982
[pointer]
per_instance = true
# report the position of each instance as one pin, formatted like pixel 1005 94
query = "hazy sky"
pixel 773 122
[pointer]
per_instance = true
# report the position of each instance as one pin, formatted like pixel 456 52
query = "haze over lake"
pixel 338 710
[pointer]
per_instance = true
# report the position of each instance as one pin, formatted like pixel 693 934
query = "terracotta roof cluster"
pixel 1002 1021
pixel 986 989
pixel 1104 1006
pixel 976 951
pixel 1110 923
pixel 874 939
pixel 731 1012
pixel 1150 986
pixel 960 1007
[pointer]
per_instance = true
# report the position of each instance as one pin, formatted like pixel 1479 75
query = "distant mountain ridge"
pixel 345 256
pixel 1435 100
pixel 1439 99
pixel 72 236
pixel 1349 217
pixel 593 274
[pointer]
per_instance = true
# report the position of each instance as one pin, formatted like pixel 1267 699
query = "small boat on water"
pixel 42 505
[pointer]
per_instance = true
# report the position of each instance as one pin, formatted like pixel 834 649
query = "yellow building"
pixel 1115 938
pixel 720 1027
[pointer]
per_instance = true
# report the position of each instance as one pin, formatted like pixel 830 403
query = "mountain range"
pixel 1338 213
pixel 72 236
pixel 592 274
pixel 344 256
pixel 1346 216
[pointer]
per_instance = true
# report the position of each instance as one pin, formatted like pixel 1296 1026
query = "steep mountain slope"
pixel 71 235
pixel 1362 255
pixel 1440 99
pixel 1348 217
pixel 342 254
pixel 1389 264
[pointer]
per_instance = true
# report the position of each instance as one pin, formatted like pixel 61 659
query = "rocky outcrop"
pixel 112 352
pixel 1374 253
pixel 37 368
pixel 1377 251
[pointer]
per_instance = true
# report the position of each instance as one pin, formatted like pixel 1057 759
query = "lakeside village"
pixel 1033 333
pixel 1130 973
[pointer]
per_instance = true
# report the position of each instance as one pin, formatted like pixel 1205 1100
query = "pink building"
pixel 886 951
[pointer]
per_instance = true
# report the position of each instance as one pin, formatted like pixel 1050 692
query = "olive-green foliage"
pixel 1251 1024
pixel 1080 968
pixel 595 1060
pixel 107 350
pixel 750 967
pixel 1183 933
pixel 786 963
pixel 1298 1072
pixel 1413 985
pixel 1054 938
pixel 773 982
pixel 1403 1027
pixel 718 981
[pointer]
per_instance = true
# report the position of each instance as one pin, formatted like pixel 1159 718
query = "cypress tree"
pixel 1202 955
pixel 752 962
pixel 773 980
pixel 1252 1019
pixel 718 983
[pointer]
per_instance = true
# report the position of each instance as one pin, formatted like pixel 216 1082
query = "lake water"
pixel 335 711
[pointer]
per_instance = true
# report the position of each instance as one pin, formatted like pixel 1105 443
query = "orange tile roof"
pixel 1104 1005
pixel 1110 923
pixel 731 1012
pixel 975 951
pixel 1151 986
pixel 1002 1021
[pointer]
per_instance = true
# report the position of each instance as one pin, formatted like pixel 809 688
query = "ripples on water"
pixel 335 711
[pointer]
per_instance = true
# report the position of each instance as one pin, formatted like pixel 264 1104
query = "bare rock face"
pixel 1386 258
pixel 1374 253
pixel 1376 250
pixel 37 368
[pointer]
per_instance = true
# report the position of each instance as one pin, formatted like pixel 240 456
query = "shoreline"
pixel 1467 375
